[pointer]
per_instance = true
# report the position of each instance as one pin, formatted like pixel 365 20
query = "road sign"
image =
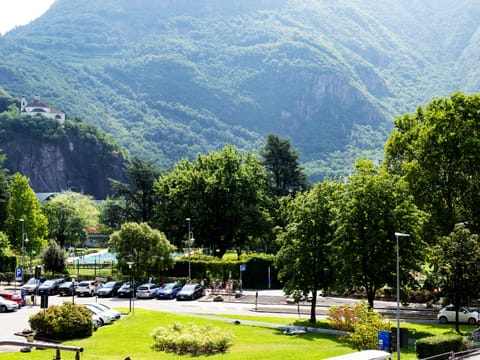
pixel 18 274
pixel 243 267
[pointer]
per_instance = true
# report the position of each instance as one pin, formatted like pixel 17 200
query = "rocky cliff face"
pixel 73 164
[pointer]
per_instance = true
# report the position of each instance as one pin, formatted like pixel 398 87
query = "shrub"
pixel 68 321
pixel 436 345
pixel 191 339
pixel 361 324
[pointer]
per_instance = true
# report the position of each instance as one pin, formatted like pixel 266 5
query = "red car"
pixel 12 296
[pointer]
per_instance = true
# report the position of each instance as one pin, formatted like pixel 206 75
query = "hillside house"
pixel 38 107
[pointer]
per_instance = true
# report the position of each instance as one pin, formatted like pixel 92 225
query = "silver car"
pixel 7 305
pixel 147 291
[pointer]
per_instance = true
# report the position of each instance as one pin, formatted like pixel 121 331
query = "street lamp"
pixel 397 235
pixel 130 264
pixel 23 243
pixel 190 236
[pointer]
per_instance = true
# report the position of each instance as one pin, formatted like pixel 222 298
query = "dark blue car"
pixel 168 291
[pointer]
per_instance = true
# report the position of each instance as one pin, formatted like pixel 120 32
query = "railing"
pixel 40 345
pixel 453 355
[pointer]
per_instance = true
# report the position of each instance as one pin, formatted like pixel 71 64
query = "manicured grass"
pixel 131 337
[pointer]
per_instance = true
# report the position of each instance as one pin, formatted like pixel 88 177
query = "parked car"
pixel 168 291
pixel 190 292
pixel 105 318
pixel 31 286
pixel 110 288
pixel 147 291
pixel 115 313
pixel 97 322
pixel 126 289
pixel 88 288
pixel 50 287
pixel 12 296
pixel 67 288
pixel 465 315
pixel 7 305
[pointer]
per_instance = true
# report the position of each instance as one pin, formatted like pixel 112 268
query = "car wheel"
pixel 3 308
pixel 472 321
pixel 443 320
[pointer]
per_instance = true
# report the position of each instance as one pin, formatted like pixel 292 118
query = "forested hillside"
pixel 169 79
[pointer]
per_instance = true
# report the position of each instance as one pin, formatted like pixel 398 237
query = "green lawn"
pixel 131 337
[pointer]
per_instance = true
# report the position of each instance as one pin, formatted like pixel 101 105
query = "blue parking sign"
pixel 18 274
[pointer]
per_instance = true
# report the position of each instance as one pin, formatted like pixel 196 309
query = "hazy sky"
pixel 20 12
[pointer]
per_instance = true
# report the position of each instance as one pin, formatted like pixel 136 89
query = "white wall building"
pixel 38 107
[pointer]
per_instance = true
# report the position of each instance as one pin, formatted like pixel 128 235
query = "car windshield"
pixel 31 281
pixel 143 287
pixel 189 287
pixel 48 283
pixel 84 283
pixel 168 286
pixel 109 285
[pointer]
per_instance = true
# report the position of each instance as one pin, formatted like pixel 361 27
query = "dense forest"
pixel 171 79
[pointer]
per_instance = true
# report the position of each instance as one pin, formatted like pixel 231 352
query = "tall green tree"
pixel 457 260
pixel 281 162
pixel 138 193
pixel 375 205
pixel 69 214
pixel 148 249
pixel 305 257
pixel 23 204
pixel 437 150
pixel 223 193
pixel 54 258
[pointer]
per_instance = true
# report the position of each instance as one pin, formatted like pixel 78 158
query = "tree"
pixel 54 258
pixel 224 195
pixel 69 214
pixel 3 192
pixel 457 259
pixel 138 193
pixel 281 162
pixel 305 256
pixel 375 205
pixel 23 204
pixel 148 249
pixel 437 150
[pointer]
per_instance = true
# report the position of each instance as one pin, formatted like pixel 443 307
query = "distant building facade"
pixel 38 107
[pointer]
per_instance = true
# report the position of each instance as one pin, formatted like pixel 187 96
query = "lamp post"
pixel 188 239
pixel 397 235
pixel 130 263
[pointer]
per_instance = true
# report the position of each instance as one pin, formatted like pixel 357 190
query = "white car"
pixel 88 288
pixel 115 313
pixel 105 318
pixel 7 305
pixel 465 315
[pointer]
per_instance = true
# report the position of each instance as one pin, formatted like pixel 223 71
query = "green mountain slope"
pixel 169 79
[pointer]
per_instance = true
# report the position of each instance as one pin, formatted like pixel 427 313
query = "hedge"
pixel 436 345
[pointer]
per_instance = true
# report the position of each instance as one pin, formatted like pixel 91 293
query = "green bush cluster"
pixel 361 323
pixel 68 321
pixel 7 277
pixel 191 339
pixel 436 345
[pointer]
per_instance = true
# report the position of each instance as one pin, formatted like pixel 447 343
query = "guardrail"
pixel 40 345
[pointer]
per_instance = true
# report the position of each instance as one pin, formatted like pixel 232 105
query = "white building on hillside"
pixel 38 107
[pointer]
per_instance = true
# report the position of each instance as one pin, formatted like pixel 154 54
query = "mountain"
pixel 171 78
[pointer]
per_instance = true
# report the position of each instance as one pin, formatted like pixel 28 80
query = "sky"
pixel 20 12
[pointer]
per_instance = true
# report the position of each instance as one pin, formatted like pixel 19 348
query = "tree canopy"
pixel 437 150
pixel 148 249
pixel 224 195
pixel 305 259
pixel 375 205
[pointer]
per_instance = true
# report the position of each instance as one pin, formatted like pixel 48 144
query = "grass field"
pixel 131 337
